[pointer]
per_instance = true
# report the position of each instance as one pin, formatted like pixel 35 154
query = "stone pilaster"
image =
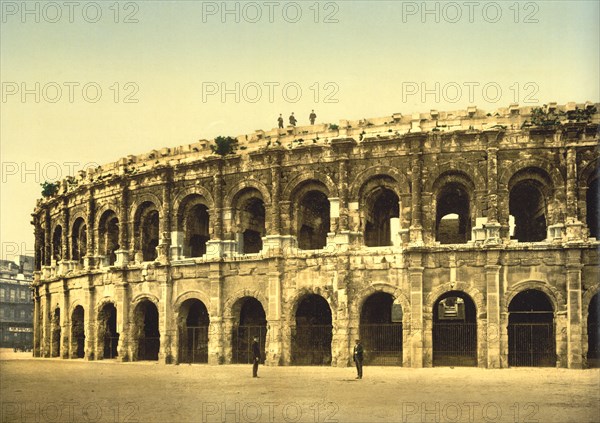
pixel 420 345
pixel 88 260
pixel 576 231
pixel 167 331
pixel 216 351
pixel 416 180
pixel 122 254
pixel 89 322
pixel 574 309
pixel 45 309
pixel 492 226
pixel 123 324
pixel 341 353
pixel 492 338
pixel 65 327
pixel 274 344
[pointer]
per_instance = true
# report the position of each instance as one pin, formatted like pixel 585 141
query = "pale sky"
pixel 148 68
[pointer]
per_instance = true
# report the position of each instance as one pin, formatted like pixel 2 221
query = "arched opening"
pixel 146 331
pixel 454 330
pixel 107 330
pixel 108 231
pixel 531 340
pixel 453 221
pixel 382 218
pixel 56 332
pixel 194 322
pixel 313 220
pixel 593 333
pixel 78 333
pixel 252 323
pixel 79 240
pixel 592 201
pixel 57 243
pixel 381 330
pixel 251 224
pixel 311 338
pixel 196 228
pixel 147 230
pixel 527 205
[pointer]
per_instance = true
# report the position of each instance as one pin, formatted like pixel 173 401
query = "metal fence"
pixel 382 344
pixel 311 345
pixel 80 346
pixel 148 348
pixel 243 337
pixel 531 344
pixel 454 344
pixel 110 346
pixel 194 345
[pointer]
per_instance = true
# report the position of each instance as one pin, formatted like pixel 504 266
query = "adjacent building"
pixel 16 305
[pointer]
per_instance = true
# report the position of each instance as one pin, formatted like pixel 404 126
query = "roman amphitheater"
pixel 461 238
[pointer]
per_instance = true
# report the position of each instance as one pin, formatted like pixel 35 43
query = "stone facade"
pixel 479 204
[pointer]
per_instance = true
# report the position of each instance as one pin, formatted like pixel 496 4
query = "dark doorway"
pixel 528 206
pixel 311 338
pixel 193 335
pixel 384 205
pixel 197 230
pixel 148 335
pixel 453 221
pixel 454 330
pixel 78 333
pixel 381 330
pixel 252 323
pixel 531 340
pixel 313 221
pixel 593 332
pixel 107 328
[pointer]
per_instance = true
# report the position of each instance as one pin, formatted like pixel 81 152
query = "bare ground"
pixel 54 390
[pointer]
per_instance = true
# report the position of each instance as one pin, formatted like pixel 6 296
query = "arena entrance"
pixel 311 338
pixel 454 330
pixel 593 332
pixel 381 330
pixel 531 340
pixel 252 322
pixel 78 333
pixel 107 330
pixel 146 327
pixel 193 332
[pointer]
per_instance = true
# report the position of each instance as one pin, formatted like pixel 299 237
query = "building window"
pixel 23 294
pixel 1 312
pixel 22 314
pixel 2 294
pixel 13 295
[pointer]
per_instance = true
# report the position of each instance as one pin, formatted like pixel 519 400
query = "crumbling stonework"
pixel 308 232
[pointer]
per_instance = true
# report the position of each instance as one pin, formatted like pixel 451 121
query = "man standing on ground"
pixel 358 358
pixel 256 356
pixel 280 121
pixel 312 117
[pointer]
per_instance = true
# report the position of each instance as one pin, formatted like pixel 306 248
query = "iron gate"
pixel 382 344
pixel 148 348
pixel 243 336
pixel 110 346
pixel 531 344
pixel 311 345
pixel 454 344
pixel 194 345
pixel 80 346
